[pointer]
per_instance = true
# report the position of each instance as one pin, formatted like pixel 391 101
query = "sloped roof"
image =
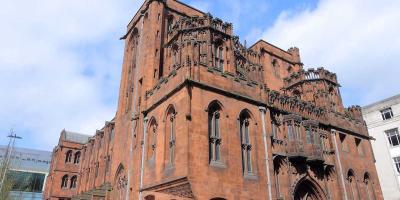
pixel 76 137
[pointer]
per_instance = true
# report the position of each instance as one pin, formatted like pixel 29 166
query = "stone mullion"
pixel 248 145
pixel 172 140
pixel 217 136
pixel 244 146
pixel 212 138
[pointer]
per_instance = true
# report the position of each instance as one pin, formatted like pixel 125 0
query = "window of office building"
pixel 26 181
pixel 393 137
pixel 397 163
pixel 387 113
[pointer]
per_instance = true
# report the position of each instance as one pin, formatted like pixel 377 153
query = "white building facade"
pixel 383 122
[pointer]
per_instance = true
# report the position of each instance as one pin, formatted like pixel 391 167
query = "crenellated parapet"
pixel 295 105
pixel 310 75
pixel 309 110
pixel 246 60
pixel 354 112
pixel 187 24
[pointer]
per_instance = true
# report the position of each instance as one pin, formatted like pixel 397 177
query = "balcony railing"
pixel 297 151
pixel 316 155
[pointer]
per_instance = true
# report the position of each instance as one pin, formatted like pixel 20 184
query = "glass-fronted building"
pixel 28 171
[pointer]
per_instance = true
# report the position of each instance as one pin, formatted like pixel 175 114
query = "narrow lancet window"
pixel 214 132
pixel 246 143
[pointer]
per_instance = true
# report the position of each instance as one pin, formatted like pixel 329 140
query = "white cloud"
pixel 358 39
pixel 60 66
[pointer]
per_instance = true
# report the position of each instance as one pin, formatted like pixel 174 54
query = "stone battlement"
pixel 310 75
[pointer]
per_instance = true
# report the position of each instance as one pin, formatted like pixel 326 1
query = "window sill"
pixel 250 176
pixel 151 162
pixel 218 164
pixel 169 168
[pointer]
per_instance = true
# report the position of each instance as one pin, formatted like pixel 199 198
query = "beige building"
pixel 383 122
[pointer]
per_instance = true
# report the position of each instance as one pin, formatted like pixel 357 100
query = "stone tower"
pixel 201 116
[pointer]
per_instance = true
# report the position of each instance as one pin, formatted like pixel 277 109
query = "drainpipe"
pixel 340 164
pixel 143 153
pixel 262 112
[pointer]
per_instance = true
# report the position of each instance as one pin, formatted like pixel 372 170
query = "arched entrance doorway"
pixel 307 189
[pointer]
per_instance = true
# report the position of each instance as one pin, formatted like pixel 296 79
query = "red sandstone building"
pixel 201 116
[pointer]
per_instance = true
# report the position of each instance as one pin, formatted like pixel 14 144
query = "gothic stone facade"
pixel 201 116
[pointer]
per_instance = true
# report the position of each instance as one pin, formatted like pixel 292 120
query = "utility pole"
pixel 9 151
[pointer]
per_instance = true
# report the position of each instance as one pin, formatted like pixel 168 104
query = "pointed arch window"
pixel 170 133
pixel 112 132
pixel 246 143
pixel 309 136
pixel 152 140
pixel 175 56
pixel 64 181
pixel 77 157
pixel 290 131
pixel 368 187
pixel 274 127
pixel 317 139
pixel 219 56
pixel 214 133
pixel 276 67
pixel 73 182
pixel 120 183
pixel 352 184
pixel 68 156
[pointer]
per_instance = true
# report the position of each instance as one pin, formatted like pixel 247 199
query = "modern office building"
pixel 383 122
pixel 29 169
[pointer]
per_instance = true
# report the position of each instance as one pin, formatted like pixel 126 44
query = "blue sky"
pixel 60 61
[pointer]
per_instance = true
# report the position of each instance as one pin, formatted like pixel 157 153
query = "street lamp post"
pixel 9 150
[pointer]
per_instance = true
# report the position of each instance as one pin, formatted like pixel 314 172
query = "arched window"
pixel 368 187
pixel 152 139
pixel 112 131
pixel 120 182
pixel 246 145
pixel 73 182
pixel 175 56
pixel 214 136
pixel 309 136
pixel 275 66
pixel 274 129
pixel 64 181
pixel 278 162
pixel 68 156
pixel 77 157
pixel 290 129
pixel 352 184
pixel 170 134
pixel 319 140
pixel 219 54
pixel 133 50
pixel 332 94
